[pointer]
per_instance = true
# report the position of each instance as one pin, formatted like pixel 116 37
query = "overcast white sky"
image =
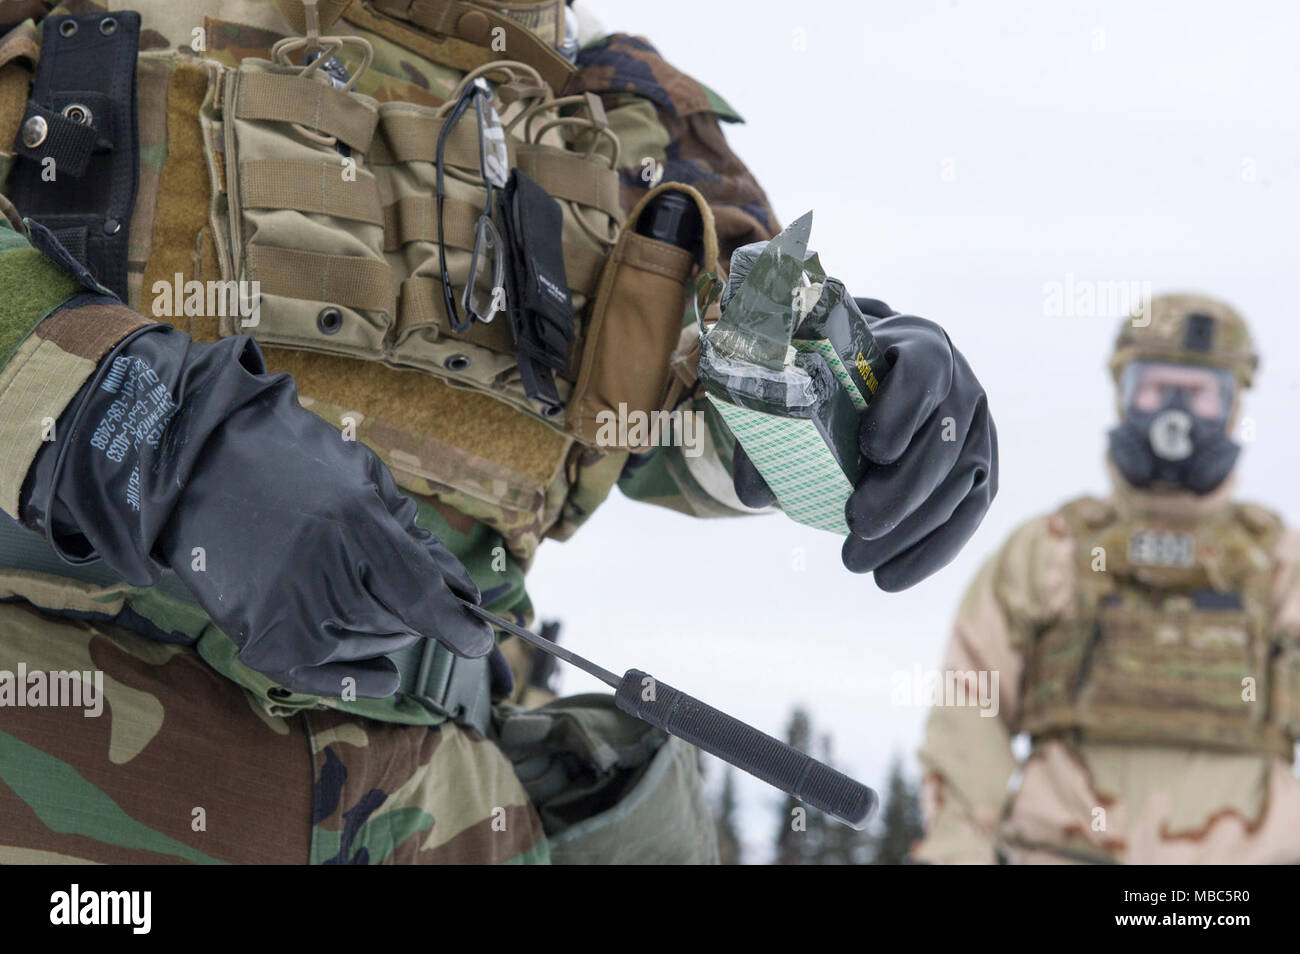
pixel 960 156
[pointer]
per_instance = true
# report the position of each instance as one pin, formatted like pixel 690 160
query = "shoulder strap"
pixel 1261 523
pixel 1087 516
pixel 467 35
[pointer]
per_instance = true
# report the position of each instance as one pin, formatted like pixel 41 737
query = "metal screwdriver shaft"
pixel 640 694
pixel 544 644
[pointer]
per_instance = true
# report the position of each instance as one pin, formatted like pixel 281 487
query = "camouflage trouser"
pixel 183 765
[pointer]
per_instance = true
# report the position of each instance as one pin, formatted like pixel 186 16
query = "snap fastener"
pixel 34 131
pixel 112 226
pixel 108 26
pixel 457 362
pixel 79 114
pixel 329 320
pixel 68 27
pixel 474 26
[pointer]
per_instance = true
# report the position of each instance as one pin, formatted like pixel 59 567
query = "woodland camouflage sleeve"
pixel 53 332
pixel 670 127
pixel 966 755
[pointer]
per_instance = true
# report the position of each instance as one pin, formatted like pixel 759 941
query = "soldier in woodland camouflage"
pixel 1148 643
pixel 320 188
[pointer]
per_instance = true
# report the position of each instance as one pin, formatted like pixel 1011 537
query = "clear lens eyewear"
pixel 486 270
pixel 487 261
pixel 494 158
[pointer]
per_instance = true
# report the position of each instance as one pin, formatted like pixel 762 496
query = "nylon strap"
pixel 19 43
pixel 327 11
pixel 421 305
pixel 450 685
pixel 309 186
pixel 69 144
pixel 88 68
pixel 290 98
pixel 482 27
pixel 567 176
pixel 413 137
pixel 361 283
pixel 414 218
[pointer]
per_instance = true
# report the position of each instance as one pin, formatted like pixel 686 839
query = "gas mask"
pixel 1174 426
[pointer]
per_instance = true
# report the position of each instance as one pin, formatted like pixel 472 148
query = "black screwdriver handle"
pixel 766 758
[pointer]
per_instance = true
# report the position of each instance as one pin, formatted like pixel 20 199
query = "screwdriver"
pixel 641 695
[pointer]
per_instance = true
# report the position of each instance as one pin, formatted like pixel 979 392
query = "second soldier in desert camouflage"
pixel 1147 642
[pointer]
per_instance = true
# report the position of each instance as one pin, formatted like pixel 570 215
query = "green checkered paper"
pixel 790 366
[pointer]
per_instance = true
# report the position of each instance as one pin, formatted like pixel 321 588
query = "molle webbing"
pixel 569 176
pixel 81 115
pixel 298 99
pixel 414 218
pixel 422 306
pixel 412 136
pixel 309 187
pixel 333 211
pixel 1180 655
pixel 346 279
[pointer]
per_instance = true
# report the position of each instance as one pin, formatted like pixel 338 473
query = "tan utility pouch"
pixel 634 328
pixel 306 220
pixel 586 185
pixel 332 211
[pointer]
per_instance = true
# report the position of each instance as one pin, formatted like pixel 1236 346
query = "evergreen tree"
pixel 792 835
pixel 840 844
pixel 806 836
pixel 729 846
pixel 900 819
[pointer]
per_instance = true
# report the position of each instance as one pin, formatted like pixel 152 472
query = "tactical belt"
pixel 77 170
pixel 440 680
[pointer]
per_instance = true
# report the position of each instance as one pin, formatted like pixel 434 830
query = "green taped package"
pixel 790 366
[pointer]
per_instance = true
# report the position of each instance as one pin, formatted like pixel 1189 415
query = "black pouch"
pixel 538 305
pixel 77 170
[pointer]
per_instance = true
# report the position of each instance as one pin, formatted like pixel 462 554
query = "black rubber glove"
pixel 295 541
pixel 923 494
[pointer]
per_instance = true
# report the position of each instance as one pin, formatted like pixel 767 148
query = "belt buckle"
pixel 419 692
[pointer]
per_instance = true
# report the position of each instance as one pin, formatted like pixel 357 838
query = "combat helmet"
pixel 1189 329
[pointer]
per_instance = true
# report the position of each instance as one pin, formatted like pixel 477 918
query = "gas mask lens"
pixel 1147 387
pixel 1174 426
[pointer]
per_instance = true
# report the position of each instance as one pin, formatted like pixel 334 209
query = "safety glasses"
pixel 487 260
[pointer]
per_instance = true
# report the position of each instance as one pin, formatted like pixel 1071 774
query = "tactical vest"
pixel 1173 638
pixel 232 164
pixel 252 169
